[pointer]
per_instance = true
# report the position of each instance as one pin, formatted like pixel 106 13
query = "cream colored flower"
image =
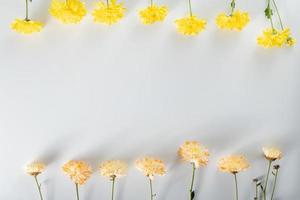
pixel 78 171
pixel 151 166
pixel 233 164
pixel 113 169
pixel 35 168
pixel 272 153
pixel 193 152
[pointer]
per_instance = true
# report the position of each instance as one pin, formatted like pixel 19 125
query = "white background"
pixel 95 92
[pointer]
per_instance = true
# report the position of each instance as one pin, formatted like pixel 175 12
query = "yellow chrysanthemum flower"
pixel 78 171
pixel 190 25
pixel 272 153
pixel 108 14
pixel 26 26
pixel 275 38
pixel 69 11
pixel 153 13
pixel 233 164
pixel 151 166
pixel 193 152
pixel 35 168
pixel 113 169
pixel 237 21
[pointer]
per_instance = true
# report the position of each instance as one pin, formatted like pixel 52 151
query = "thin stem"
pixel 77 192
pixel 266 181
pixel 275 181
pixel 256 191
pixel 192 182
pixel 232 5
pixel 151 3
pixel 236 187
pixel 271 20
pixel 151 189
pixel 190 8
pixel 113 188
pixel 38 186
pixel 277 12
pixel 26 15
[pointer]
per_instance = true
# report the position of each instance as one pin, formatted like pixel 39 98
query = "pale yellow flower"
pixel 237 21
pixel 108 14
pixel 151 166
pixel 275 38
pixel 153 13
pixel 68 11
pixel 233 164
pixel 272 153
pixel 113 169
pixel 35 168
pixel 78 171
pixel 193 152
pixel 190 25
pixel 26 26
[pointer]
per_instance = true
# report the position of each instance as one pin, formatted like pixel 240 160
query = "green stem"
pixel 151 3
pixel 236 187
pixel 256 192
pixel 277 12
pixel 192 182
pixel 271 20
pixel 190 8
pixel 38 186
pixel 113 188
pixel 275 181
pixel 151 189
pixel 266 181
pixel 77 192
pixel 232 5
pixel 26 16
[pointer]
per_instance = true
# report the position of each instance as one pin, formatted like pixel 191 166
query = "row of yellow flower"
pixel 190 151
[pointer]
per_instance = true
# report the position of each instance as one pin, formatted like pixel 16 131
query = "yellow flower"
pixel 151 166
pixel 233 164
pixel 153 13
pixel 193 152
pixel 69 11
pixel 190 25
pixel 26 26
pixel 108 14
pixel 237 21
pixel 113 169
pixel 35 168
pixel 78 171
pixel 275 38
pixel 272 153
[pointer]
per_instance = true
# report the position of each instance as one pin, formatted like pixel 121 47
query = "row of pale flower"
pixel 111 12
pixel 190 151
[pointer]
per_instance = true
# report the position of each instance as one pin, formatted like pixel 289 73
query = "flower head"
pixel 190 25
pixel 193 152
pixel 69 11
pixel 275 38
pixel 151 166
pixel 113 169
pixel 272 153
pixel 153 13
pixel 237 21
pixel 35 168
pixel 233 164
pixel 108 14
pixel 26 26
pixel 78 171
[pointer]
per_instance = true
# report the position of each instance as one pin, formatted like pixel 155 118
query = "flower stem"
pixel 107 3
pixel 77 192
pixel 38 186
pixel 113 188
pixel 277 12
pixel 151 189
pixel 192 182
pixel 26 11
pixel 270 17
pixel 256 192
pixel 275 181
pixel 266 181
pixel 151 3
pixel 232 5
pixel 236 187
pixel 190 8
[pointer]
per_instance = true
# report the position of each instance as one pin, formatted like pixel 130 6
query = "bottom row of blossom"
pixel 190 151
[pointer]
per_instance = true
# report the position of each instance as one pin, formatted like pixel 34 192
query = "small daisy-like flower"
pixel 26 26
pixel 69 11
pixel 78 171
pixel 233 164
pixel 35 168
pixel 275 38
pixel 193 152
pixel 153 13
pixel 272 153
pixel 113 169
pixel 108 13
pixel 151 166
pixel 236 21
pixel 190 25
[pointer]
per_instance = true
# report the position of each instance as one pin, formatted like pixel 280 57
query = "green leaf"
pixel 232 4
pixel 268 12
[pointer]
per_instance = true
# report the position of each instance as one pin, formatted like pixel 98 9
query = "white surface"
pixel 94 92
